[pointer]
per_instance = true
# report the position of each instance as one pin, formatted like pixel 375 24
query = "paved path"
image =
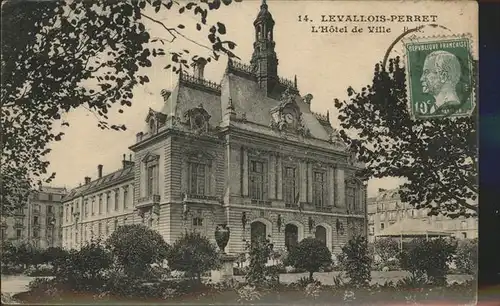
pixel 14 284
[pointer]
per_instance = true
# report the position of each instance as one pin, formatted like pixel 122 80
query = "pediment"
pixel 199 156
pixel 150 157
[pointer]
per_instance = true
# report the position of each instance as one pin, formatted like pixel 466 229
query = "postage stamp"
pixel 440 76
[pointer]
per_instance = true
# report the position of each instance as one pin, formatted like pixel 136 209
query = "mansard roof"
pixel 189 93
pixel 240 92
pixel 116 177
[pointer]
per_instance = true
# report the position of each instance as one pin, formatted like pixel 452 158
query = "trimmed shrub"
pixel 193 254
pixel 135 247
pixel 310 254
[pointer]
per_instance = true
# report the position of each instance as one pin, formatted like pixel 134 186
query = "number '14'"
pixel 303 18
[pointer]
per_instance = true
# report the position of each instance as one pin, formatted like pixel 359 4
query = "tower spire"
pixel 264 61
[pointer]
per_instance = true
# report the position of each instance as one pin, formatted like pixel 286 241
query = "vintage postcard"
pixel 239 152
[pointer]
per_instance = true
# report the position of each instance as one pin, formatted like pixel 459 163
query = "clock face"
pixel 289 118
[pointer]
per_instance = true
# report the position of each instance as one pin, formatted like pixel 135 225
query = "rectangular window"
pixel 86 207
pixel 319 189
pixel 382 225
pixel 35 220
pixel 125 198
pixel 19 234
pixel 257 180
pixel 116 224
pixel 108 202
pixel 100 205
pixel 290 186
pixel 197 179
pixel 19 222
pixel 99 229
pixel 49 209
pixel 92 208
pixel 35 233
pixel 197 222
pixel 152 180
pixel 116 198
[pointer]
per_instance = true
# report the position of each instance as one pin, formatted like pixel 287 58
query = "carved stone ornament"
pixel 197 119
pixel 287 116
pixel 222 234
pixel 336 139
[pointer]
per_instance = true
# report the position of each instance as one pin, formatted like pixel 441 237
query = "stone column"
pixel 303 181
pixel 340 190
pixel 309 182
pixel 272 176
pixel 279 177
pixel 244 172
pixel 330 180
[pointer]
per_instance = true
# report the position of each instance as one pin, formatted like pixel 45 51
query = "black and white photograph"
pixel 239 152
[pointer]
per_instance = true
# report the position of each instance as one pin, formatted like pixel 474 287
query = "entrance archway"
pixel 291 236
pixel 258 231
pixel 321 234
pixel 324 233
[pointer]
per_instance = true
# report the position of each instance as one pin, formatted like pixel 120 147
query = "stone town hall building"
pixel 247 152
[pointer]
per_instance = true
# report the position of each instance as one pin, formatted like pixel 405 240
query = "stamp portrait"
pixel 440 72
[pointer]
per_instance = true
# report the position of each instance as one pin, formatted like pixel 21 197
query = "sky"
pixel 325 64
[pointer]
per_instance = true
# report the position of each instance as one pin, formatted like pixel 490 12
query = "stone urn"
pixel 222 236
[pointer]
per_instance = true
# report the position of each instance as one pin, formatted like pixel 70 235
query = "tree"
pixel 194 254
pixel 55 256
pixel 467 256
pixel 259 252
pixel 135 247
pixel 428 258
pixel 356 261
pixel 386 248
pixel 310 254
pixel 438 158
pixel 85 268
pixel 60 55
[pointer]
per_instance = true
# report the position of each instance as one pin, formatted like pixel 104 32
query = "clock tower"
pixel 264 61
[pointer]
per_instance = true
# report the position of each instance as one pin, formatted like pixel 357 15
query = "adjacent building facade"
pixel 247 152
pixel 38 222
pixel 387 208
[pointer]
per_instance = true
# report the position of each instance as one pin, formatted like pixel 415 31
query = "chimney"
pixel 126 163
pixel 199 67
pixel 87 180
pixel 99 171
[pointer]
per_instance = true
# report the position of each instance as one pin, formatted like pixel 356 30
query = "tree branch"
pixel 174 31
